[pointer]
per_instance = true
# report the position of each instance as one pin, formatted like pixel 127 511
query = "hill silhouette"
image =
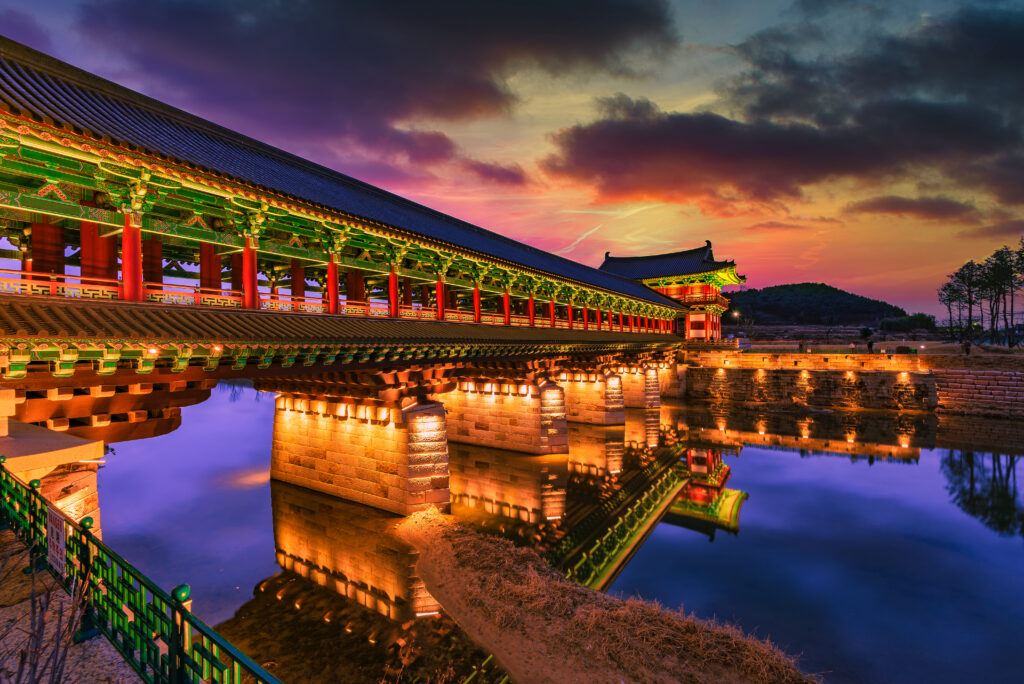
pixel 809 304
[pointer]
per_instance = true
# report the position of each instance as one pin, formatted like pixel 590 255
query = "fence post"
pixel 180 637
pixel 36 560
pixel 87 627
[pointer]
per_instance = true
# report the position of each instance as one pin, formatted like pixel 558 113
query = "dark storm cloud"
pixel 946 96
pixel 356 71
pixel 1005 229
pixel 1003 176
pixel 921 207
pixel 635 150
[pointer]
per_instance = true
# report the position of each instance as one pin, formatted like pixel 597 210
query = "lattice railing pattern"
pixel 155 632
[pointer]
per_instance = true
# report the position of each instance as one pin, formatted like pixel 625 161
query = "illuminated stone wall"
pixel 641 387
pixel 389 459
pixel 520 417
pixel 995 393
pixel 971 385
pixel 593 398
pixel 827 388
pixel 507 484
pixel 350 549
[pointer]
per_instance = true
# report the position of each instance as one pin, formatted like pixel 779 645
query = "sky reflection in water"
pixel 191 506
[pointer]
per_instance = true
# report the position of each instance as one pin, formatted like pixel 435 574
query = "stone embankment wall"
pixel 983 385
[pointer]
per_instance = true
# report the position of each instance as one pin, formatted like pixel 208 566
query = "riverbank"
pixel 542 627
pixel 95 660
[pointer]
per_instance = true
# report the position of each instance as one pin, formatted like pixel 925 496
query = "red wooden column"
pixel 250 293
pixel 551 312
pixel 95 253
pixel 630 317
pixel 568 314
pixel 152 260
pixel 393 309
pixel 131 262
pixel 331 286
pixel 507 306
pixel 476 303
pixel 531 311
pixel 597 317
pixel 407 292
pixel 298 284
pixel 440 299
pixel 586 324
pixel 355 285
pixel 47 255
pixel 236 271
pixel 209 266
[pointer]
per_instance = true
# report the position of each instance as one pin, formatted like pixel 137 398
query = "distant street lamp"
pixel 735 314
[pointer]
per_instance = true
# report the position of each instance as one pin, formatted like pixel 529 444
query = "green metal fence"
pixel 154 631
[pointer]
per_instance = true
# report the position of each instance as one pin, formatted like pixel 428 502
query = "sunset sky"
pixel 874 146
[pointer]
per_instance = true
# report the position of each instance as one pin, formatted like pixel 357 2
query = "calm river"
pixel 905 569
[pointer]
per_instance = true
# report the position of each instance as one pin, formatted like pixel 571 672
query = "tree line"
pixel 983 293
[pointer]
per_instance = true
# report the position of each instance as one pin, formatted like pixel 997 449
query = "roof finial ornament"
pixel 708 242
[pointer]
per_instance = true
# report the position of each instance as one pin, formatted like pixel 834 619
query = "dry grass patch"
pixel 544 628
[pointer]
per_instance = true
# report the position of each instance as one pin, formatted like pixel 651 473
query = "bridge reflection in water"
pixel 347 595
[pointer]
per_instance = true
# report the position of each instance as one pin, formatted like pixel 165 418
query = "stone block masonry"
pixel 593 398
pixel 527 417
pixel 990 385
pixel 995 393
pixel 641 387
pixel 395 460
pixel 824 388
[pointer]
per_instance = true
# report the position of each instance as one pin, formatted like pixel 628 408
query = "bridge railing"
pixel 286 302
pixel 458 316
pixel 70 285
pixel 155 632
pixel 193 295
pixel 419 313
pixel 57 285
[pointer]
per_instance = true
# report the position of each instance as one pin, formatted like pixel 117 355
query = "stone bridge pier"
pixel 395 459
pixel 592 395
pixel 370 437
pixel 508 406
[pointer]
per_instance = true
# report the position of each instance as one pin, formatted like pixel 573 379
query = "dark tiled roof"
pixel 686 262
pixel 32 83
pixel 23 316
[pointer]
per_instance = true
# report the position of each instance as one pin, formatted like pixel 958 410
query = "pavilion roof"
pixel 686 262
pixel 35 85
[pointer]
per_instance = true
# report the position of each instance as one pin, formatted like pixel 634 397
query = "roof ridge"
pixel 609 257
